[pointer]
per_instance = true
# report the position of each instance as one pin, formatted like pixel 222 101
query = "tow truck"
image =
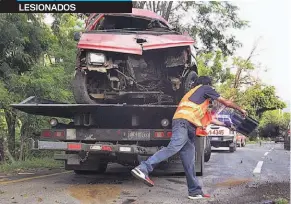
pixel 98 134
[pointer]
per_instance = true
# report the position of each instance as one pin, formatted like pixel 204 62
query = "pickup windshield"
pixel 129 23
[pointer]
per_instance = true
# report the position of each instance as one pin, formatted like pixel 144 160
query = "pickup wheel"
pixel 80 89
pixel 190 80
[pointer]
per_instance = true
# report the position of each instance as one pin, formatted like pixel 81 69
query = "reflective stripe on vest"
pixel 191 111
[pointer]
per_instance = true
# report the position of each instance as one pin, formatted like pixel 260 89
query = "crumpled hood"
pixel 127 43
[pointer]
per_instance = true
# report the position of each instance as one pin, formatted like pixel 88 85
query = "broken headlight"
pixel 96 58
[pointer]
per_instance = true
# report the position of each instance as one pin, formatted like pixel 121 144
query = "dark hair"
pixel 204 80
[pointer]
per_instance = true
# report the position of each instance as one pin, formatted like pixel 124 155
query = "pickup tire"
pixel 190 80
pixel 80 90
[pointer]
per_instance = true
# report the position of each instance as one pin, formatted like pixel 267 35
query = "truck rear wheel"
pixel 207 151
pixel 232 147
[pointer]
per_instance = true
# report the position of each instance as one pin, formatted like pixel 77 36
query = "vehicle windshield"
pixel 129 23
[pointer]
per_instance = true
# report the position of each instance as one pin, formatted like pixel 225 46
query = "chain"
pixel 85 158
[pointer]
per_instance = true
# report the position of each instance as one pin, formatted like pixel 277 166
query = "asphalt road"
pixel 253 174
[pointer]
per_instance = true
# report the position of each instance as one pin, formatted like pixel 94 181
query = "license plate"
pixel 96 147
pixel 214 138
pixel 216 132
pixel 139 135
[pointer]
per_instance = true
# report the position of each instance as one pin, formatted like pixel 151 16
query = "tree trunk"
pixel 2 155
pixel 23 136
pixel 168 11
pixel 10 117
pixel 6 150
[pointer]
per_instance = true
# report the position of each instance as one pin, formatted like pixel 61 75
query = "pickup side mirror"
pixel 77 36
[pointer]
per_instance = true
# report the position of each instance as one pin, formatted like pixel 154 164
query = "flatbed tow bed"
pixel 102 133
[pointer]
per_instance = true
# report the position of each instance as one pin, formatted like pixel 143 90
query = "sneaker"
pixel 194 196
pixel 137 173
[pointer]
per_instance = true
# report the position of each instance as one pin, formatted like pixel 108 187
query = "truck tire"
pixel 101 170
pixel 80 91
pixel 207 151
pixel 232 147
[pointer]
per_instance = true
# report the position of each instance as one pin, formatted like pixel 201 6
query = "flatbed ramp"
pixel 37 106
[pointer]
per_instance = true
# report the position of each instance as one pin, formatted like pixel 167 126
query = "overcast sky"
pixel 268 20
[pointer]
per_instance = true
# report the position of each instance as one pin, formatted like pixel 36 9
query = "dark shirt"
pixel 202 93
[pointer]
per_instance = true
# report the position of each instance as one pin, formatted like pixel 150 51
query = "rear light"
pixel 169 134
pixel 46 133
pixel 74 146
pixel 159 134
pixel 59 134
pixel 106 148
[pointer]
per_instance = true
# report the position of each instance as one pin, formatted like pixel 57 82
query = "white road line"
pixel 258 168
pixel 266 153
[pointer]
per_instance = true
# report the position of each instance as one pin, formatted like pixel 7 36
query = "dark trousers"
pixel 182 141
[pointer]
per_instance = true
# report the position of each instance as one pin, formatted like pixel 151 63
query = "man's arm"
pixel 217 122
pixel 231 104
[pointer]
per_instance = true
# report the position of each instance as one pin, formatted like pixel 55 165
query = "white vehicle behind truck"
pixel 221 136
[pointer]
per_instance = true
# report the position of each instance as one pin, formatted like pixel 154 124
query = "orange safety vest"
pixel 190 111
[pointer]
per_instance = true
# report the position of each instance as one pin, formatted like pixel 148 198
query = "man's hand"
pixel 229 125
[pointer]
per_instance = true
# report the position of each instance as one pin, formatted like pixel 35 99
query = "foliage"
pixel 259 99
pixel 34 60
pixel 208 23
pixel 213 64
pixel 274 123
pixel 34 163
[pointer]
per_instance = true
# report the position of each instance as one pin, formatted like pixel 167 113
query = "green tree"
pixel 21 45
pixel 274 123
pixel 208 24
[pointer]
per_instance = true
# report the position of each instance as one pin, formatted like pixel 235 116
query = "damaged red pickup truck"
pixel 134 58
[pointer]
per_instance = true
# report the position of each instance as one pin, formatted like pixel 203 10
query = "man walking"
pixel 189 116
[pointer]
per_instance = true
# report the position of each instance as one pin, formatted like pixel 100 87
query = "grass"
pixel 34 163
pixel 281 201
